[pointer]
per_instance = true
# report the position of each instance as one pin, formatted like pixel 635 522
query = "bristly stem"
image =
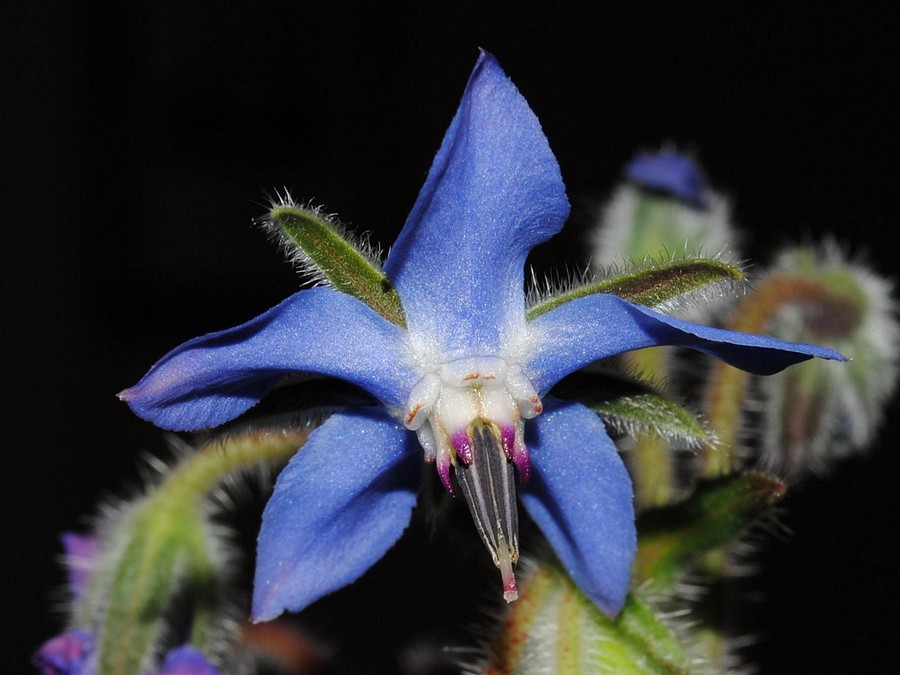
pixel 163 544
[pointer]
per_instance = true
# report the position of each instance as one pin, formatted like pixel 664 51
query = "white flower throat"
pixel 469 414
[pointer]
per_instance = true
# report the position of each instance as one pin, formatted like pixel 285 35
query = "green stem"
pixel 163 542
pixel 654 472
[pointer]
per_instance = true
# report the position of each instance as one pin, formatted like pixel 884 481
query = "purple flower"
pixel 669 172
pixel 65 654
pixel 465 380
pixel 186 660
pixel 71 654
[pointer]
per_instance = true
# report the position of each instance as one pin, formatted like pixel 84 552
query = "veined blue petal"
pixel 597 326
pixel 580 496
pixel 338 506
pixel 493 192
pixel 214 378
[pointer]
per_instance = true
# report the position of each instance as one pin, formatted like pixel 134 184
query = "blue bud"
pixel 671 172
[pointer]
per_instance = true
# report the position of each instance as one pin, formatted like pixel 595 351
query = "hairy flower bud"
pixel 816 413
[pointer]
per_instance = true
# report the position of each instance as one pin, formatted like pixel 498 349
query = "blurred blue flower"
pixel 671 172
pixel 71 653
pixel 465 374
pixel 186 660
pixel 66 654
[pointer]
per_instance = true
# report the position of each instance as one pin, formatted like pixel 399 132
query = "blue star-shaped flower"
pixel 464 375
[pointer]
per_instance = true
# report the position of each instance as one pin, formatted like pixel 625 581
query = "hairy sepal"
pixel 659 285
pixel 632 407
pixel 319 247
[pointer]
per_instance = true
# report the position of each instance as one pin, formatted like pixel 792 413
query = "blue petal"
pixel 580 496
pixel 493 192
pixel 186 660
pixel 338 506
pixel 214 378
pixel 670 172
pixel 597 326
pixel 66 654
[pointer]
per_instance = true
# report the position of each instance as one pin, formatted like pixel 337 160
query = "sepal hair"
pixel 313 273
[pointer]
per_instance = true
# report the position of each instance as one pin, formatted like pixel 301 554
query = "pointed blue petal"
pixel 338 506
pixel 597 326
pixel 580 496
pixel 214 378
pixel 493 192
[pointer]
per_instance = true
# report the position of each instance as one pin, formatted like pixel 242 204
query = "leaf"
pixel 671 538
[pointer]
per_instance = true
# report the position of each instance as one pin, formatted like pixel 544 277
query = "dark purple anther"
pixel 463 446
pixel 519 457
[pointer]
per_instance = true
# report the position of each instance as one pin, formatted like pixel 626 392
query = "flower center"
pixel 469 414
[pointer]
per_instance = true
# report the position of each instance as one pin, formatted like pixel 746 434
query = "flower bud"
pixel 816 413
pixel 664 208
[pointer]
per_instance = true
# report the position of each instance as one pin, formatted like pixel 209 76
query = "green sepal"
pixel 670 539
pixel 634 407
pixel 658 284
pixel 643 628
pixel 325 252
pixel 554 628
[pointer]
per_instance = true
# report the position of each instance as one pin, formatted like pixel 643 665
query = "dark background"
pixel 141 139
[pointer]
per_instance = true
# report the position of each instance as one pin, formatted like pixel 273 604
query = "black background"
pixel 141 139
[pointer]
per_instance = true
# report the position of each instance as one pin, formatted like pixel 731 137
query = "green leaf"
pixel 657 285
pixel 319 247
pixel 670 539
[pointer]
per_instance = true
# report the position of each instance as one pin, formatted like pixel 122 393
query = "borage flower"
pixel 463 368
